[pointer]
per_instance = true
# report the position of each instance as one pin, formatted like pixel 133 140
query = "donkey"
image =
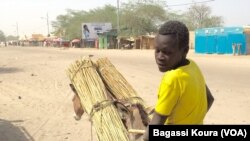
pixel 133 116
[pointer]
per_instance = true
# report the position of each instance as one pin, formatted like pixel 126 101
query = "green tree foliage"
pixel 2 36
pixel 140 18
pixel 69 26
pixel 10 38
pixel 136 18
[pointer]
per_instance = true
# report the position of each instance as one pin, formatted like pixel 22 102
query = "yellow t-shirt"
pixel 182 95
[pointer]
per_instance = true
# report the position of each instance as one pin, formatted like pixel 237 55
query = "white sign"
pixel 90 30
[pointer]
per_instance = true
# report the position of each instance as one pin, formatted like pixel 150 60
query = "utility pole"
pixel 118 24
pixel 47 19
pixel 17 33
pixel 48 22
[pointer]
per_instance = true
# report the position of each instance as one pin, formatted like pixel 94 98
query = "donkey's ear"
pixel 72 87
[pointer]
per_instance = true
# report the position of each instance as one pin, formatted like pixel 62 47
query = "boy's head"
pixel 171 45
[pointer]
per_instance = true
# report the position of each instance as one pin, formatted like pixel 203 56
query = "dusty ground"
pixel 35 99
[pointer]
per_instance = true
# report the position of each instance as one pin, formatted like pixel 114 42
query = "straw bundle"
pixel 117 84
pixel 91 90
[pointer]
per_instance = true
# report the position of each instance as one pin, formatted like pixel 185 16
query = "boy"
pixel 183 97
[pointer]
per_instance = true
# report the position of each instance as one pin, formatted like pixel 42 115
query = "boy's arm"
pixel 210 98
pixel 156 120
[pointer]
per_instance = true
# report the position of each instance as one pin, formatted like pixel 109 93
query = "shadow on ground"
pixel 9 70
pixel 11 132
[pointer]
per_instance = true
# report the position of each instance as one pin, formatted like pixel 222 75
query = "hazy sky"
pixel 27 13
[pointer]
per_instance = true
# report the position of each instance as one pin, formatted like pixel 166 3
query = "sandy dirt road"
pixel 35 99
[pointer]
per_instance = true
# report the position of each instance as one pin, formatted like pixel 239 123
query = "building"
pixel 222 40
pixel 91 32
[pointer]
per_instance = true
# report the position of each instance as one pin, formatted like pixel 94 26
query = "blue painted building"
pixel 220 40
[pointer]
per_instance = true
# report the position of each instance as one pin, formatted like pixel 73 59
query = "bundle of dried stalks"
pixel 117 84
pixel 92 92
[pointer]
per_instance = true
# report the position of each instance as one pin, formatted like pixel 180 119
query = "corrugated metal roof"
pixel 219 30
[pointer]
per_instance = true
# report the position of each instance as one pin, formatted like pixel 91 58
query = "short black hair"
pixel 176 28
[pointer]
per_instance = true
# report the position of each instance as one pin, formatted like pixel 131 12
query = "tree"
pixel 11 37
pixel 141 18
pixel 69 25
pixel 136 18
pixel 60 25
pixel 2 36
pixel 199 16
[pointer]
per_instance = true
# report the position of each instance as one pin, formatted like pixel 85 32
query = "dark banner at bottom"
pixel 199 132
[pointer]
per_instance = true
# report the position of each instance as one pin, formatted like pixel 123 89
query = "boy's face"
pixel 167 53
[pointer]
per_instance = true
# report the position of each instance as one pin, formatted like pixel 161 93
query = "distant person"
pixel 234 48
pixel 183 96
pixel 44 43
pixel 239 48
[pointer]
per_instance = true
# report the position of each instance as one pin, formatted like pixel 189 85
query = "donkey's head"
pixel 76 104
pixel 134 116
